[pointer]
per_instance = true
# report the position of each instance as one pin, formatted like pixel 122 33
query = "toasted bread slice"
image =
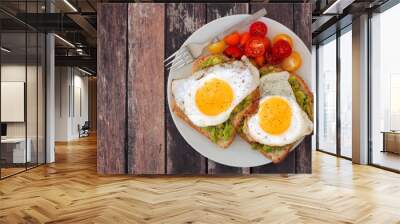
pixel 236 120
pixel 278 154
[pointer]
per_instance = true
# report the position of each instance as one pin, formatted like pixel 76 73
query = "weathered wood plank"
pixel 302 27
pixel 181 21
pixel 111 86
pixel 214 11
pixel 146 130
pixel 283 13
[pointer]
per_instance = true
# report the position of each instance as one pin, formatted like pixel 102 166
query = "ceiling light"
pixel 65 41
pixel 70 5
pixel 84 71
pixel 5 50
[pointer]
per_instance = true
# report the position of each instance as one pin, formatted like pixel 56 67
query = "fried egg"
pixel 279 120
pixel 209 96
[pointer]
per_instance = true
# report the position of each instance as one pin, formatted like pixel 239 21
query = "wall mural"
pixel 150 123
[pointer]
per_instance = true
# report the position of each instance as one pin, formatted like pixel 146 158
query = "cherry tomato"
pixel 267 44
pixel 283 36
pixel 217 47
pixel 255 46
pixel 292 63
pixel 258 29
pixel 234 52
pixel 260 60
pixel 271 59
pixel 281 49
pixel 244 38
pixel 232 39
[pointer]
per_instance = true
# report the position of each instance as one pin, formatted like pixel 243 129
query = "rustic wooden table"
pixel 136 134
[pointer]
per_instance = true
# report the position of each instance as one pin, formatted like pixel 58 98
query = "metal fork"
pixel 188 53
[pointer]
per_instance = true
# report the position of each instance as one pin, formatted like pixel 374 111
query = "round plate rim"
pixel 171 74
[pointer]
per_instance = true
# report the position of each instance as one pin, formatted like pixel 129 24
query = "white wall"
pixel 17 72
pixel 70 83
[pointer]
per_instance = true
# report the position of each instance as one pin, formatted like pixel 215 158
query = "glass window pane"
pixel 346 94
pixel 13 87
pixel 385 84
pixel 327 96
pixel 31 97
pixel 31 89
pixel 41 98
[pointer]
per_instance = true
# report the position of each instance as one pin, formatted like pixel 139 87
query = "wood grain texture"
pixel 215 11
pixel 182 19
pixel 111 86
pixel 302 27
pixel 283 13
pixel 146 147
pixel 70 191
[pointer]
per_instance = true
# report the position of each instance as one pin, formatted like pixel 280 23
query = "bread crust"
pixel 236 121
pixel 309 94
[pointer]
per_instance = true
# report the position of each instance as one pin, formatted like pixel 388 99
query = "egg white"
pixel 277 85
pixel 241 76
pixel 300 126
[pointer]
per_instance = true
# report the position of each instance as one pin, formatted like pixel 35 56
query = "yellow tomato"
pixel 292 63
pixel 217 47
pixel 284 37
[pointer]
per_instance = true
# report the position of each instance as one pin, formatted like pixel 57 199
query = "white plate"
pixel 240 153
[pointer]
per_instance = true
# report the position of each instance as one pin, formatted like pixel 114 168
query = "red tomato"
pixel 281 49
pixel 255 46
pixel 258 29
pixel 260 60
pixel 232 39
pixel 271 59
pixel 267 43
pixel 244 38
pixel 234 52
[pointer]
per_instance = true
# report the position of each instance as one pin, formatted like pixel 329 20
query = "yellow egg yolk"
pixel 275 115
pixel 214 97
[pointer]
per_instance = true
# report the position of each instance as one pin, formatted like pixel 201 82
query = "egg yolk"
pixel 275 115
pixel 214 97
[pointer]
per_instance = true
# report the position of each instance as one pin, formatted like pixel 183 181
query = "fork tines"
pixel 178 59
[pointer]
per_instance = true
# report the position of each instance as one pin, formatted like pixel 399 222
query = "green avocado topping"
pixel 266 148
pixel 211 61
pixel 225 131
pixel 301 97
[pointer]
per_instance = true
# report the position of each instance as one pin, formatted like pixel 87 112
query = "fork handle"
pixel 260 13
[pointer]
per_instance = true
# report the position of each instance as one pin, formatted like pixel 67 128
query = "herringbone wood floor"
pixel 70 191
